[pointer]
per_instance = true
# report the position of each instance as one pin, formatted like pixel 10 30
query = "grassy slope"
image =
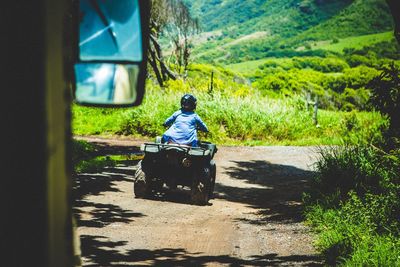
pixel 289 24
pixel 254 15
pixel 248 68
pixel 360 18
pixel 355 42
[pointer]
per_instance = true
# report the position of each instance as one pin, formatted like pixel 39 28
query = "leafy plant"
pixel 81 150
pixel 354 205
pixel 85 159
pixel 386 95
pixel 93 165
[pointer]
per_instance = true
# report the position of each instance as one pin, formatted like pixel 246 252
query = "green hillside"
pixel 355 42
pixel 282 25
pixel 253 15
pixel 249 68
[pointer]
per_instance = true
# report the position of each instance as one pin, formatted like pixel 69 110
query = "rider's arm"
pixel 171 119
pixel 200 124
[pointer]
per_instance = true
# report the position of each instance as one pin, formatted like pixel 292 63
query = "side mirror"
pixel 110 55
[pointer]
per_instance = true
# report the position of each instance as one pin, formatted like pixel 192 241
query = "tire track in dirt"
pixel 254 220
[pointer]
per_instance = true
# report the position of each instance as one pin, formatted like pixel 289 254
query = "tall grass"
pixel 354 205
pixel 231 118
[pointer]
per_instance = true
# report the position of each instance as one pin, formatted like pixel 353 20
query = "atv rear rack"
pixel 193 151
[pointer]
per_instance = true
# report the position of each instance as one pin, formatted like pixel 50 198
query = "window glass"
pixel 104 83
pixel 110 30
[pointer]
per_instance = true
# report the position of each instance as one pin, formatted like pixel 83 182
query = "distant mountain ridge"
pixel 286 24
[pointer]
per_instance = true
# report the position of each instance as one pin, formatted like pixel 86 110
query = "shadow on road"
pixel 274 189
pixel 86 184
pixel 99 215
pixel 93 249
pixel 103 148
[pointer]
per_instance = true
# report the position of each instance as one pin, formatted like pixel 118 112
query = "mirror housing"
pixel 109 52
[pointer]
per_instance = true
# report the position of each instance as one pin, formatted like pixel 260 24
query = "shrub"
pixel 355 205
pixel 94 165
pixel 84 157
pixel 355 99
pixel 353 168
pixel 359 77
pixel 81 150
pixel 348 235
pixel 329 64
pixel 386 95
pixel 357 60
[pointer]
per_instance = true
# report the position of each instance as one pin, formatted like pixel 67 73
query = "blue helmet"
pixel 188 102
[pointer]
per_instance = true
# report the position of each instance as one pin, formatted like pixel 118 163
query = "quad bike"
pixel 173 165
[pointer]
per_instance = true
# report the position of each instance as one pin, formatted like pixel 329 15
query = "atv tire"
pixel 200 189
pixel 141 185
pixel 213 174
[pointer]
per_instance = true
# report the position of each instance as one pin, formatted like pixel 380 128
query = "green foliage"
pixel 94 165
pixel 352 99
pixel 376 251
pixel 219 14
pixel 106 122
pixel 331 49
pixel 354 205
pixel 289 25
pixel 81 150
pixel 388 48
pixel 386 95
pixel 357 42
pixel 84 158
pixel 355 60
pixel 347 236
pixel 359 18
pixel 361 169
pixel 229 118
pixel 235 112
pixel 270 111
pixel 341 87
pixel 373 51
pixel 362 131
pixel 330 64
pixel 359 77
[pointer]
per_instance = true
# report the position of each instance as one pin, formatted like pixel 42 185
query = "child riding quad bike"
pixel 178 158
pixel 174 164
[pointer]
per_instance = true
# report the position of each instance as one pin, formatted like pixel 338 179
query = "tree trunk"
pixel 161 71
pixel 153 64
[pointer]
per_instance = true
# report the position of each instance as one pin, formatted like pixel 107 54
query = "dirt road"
pixel 254 220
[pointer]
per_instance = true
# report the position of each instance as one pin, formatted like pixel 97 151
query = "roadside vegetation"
pixel 355 206
pixel 235 112
pixel 354 203
pixel 86 159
